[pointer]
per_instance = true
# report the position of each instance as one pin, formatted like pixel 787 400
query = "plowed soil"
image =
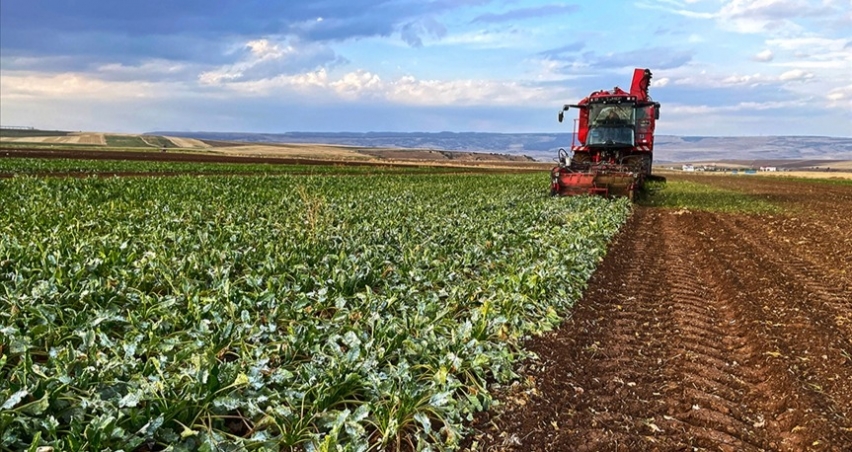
pixel 700 331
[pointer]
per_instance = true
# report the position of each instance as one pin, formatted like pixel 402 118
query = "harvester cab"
pixel 613 145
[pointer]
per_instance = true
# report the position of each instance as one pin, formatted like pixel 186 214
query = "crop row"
pixel 277 312
pixel 25 166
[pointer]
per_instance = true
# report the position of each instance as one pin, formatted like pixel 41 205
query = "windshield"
pixel 603 114
pixel 611 124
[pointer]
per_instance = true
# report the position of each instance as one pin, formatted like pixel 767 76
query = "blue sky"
pixel 721 67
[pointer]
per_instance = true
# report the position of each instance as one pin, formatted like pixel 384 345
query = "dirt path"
pixel 700 331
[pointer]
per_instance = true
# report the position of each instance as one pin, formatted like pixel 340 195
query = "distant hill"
pixel 536 145
pixel 543 146
pixel 684 149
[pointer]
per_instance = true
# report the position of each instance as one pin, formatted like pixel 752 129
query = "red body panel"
pixel 605 162
pixel 603 181
pixel 638 94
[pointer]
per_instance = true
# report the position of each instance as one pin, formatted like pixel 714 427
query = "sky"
pixel 721 67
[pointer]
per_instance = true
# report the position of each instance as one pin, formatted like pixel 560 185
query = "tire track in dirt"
pixel 711 378
pixel 673 348
pixel 824 280
pixel 623 357
pixel 819 242
pixel 760 413
pixel 813 331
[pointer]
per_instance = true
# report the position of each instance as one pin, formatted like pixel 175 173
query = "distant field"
pixel 842 165
pixel 7 133
pixel 128 141
pixel 158 141
pixel 188 143
pixel 812 174
pixel 53 137
pixel 846 174
pixel 295 151
pixel 781 164
pixel 219 144
pixel 90 138
pixel 64 138
pixel 354 153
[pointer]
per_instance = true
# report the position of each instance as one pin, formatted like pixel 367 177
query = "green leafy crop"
pixel 312 313
pixel 38 166
pixel 682 194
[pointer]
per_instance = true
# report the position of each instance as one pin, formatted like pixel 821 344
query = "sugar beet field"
pixel 277 312
pixel 400 310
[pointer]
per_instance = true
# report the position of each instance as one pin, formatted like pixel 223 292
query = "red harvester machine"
pixel 613 143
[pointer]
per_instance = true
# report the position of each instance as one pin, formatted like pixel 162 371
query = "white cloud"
pixel 753 80
pixel 842 98
pixel 809 44
pixel 267 59
pixel 720 80
pixel 545 69
pixel 357 84
pixel 675 8
pixel 795 74
pixel 23 84
pixel 679 109
pixel 409 90
pixel 660 82
pixel 262 49
pixel 763 56
pixel 486 39
pixel 305 82
pixel 148 67
pixel 775 17
pixel 705 80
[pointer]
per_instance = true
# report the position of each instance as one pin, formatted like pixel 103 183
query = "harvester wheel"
pixel 647 164
pixel 639 163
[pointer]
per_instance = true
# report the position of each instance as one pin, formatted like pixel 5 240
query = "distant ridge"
pixel 543 146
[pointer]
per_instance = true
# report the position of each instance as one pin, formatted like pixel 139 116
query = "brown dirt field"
pixel 841 173
pixel 90 138
pixel 700 331
pixel 294 151
pixel 845 174
pixel 73 138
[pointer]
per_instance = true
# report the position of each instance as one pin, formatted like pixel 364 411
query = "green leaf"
pixel 14 399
